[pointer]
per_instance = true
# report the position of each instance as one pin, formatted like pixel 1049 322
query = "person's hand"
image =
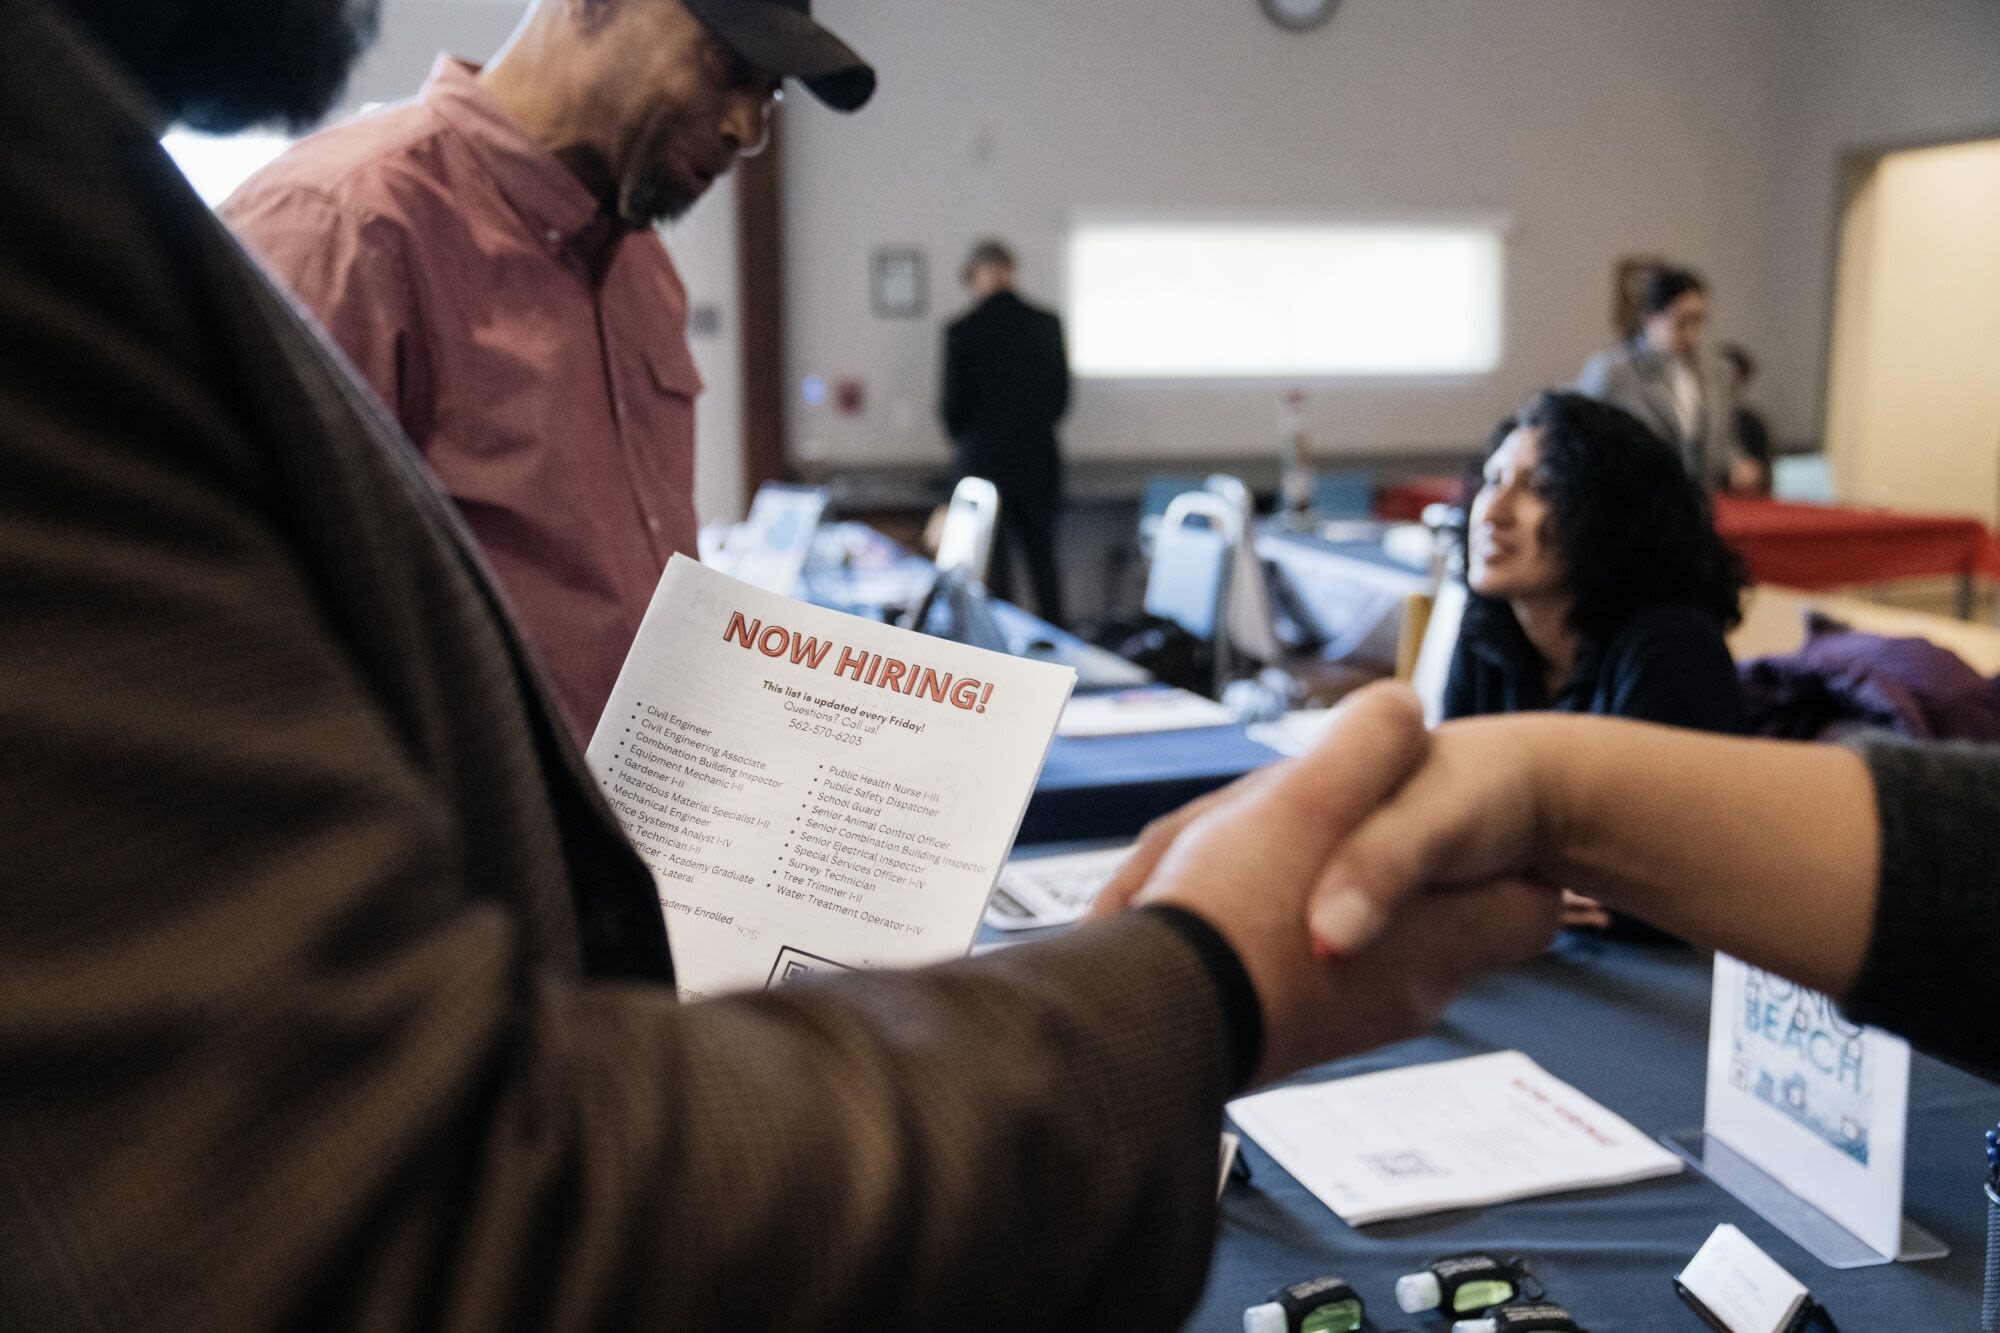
pixel 1647 819
pixel 1153 840
pixel 1246 859
pixel 1479 812
pixel 1581 913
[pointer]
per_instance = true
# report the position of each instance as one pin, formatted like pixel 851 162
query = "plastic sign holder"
pixel 1815 1233
pixel 1805 1118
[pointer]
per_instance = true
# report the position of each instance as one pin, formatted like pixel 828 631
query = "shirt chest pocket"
pixel 672 370
pixel 660 410
pixel 658 436
pixel 660 414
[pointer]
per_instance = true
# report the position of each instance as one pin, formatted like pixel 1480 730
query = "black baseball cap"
pixel 780 37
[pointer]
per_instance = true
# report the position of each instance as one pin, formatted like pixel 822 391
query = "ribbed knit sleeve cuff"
pixel 1242 1015
pixel 1930 971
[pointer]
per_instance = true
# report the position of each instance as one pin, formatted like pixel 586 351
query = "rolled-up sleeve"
pixel 1930 972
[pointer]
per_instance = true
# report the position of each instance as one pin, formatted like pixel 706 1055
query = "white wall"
pixel 415 31
pixel 1855 74
pixel 1602 127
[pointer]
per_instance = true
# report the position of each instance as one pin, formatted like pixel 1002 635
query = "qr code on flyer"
pixel 1408 1165
pixel 798 965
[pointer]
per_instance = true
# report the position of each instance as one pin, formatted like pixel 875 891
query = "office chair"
pixel 1161 488
pixel 1252 627
pixel 1194 557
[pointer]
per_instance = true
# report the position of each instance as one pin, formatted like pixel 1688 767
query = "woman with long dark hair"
pixel 1598 582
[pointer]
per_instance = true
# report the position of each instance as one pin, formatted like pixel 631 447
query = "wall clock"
pixel 1298 15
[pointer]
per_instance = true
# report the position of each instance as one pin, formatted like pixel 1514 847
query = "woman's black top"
pixel 1667 664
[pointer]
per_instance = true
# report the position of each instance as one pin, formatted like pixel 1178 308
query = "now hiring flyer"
pixel 813 791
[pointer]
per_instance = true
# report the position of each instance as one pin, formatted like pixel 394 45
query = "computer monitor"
pixel 770 548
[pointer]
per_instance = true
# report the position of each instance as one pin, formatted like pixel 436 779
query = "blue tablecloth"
pixel 1110 786
pixel 1628 1026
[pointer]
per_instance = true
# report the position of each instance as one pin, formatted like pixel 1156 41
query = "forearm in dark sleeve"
pixel 271 1061
pixel 1931 965
pixel 1243 1018
pixel 1025 1140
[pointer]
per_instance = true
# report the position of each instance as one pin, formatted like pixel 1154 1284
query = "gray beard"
pixel 646 201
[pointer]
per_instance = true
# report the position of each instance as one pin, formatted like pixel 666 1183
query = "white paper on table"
pixel 1038 891
pixel 1456 1134
pixel 1294 733
pixel 798 819
pixel 1742 1286
pixel 1134 712
pixel 1811 1098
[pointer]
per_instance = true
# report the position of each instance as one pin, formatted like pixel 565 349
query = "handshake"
pixel 1311 869
pixel 1363 883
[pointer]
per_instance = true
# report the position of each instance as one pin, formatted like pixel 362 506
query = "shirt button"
pixel 555 238
pixel 653 523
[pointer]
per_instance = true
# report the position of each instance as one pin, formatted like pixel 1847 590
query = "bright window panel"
pixel 216 164
pixel 1220 300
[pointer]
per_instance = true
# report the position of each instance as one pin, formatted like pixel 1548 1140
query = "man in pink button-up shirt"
pixel 486 256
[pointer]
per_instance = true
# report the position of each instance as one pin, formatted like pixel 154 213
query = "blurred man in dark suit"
pixel 331 995
pixel 1752 472
pixel 1006 385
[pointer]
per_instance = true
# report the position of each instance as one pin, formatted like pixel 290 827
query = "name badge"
pixel 1738 1288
